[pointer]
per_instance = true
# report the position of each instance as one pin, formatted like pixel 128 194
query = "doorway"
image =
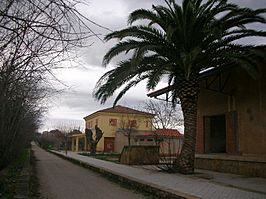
pixel 215 134
pixel 109 144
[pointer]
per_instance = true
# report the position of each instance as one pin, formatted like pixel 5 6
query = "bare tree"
pixel 165 115
pixel 93 142
pixel 128 126
pixel 35 37
pixel 67 129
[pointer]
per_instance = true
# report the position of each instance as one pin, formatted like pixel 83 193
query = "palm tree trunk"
pixel 188 96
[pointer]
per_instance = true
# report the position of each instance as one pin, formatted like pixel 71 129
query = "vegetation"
pixel 34 180
pixel 179 42
pixel 35 37
pixel 57 139
pixel 165 115
pixel 53 139
pixel 13 175
pixel 93 141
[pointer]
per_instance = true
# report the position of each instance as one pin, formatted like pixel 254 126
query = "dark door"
pixel 109 144
pixel 215 134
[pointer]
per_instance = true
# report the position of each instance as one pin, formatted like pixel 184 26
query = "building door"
pixel 215 134
pixel 109 144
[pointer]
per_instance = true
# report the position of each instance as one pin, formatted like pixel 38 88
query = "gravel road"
pixel 61 179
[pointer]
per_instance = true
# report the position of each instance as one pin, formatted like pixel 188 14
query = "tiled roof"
pixel 164 133
pixel 122 109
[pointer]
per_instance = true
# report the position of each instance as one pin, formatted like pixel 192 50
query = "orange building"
pixel 231 122
pixel 113 122
pixel 231 112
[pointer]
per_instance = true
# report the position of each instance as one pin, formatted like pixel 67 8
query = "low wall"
pixel 237 165
pixel 140 155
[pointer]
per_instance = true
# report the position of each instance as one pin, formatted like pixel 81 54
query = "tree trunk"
pixel 93 148
pixel 188 96
pixel 129 140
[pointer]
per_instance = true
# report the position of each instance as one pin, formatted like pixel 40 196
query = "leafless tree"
pixel 128 126
pixel 165 115
pixel 93 142
pixel 66 130
pixel 35 36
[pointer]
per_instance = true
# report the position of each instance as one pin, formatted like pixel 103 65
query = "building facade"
pixel 232 113
pixel 170 141
pixel 117 123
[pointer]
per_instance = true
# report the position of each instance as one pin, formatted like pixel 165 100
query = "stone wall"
pixel 237 165
pixel 140 155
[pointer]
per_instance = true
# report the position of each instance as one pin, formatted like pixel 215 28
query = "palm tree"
pixel 178 42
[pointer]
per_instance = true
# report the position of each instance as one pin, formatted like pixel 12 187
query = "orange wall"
pixel 110 131
pixel 247 97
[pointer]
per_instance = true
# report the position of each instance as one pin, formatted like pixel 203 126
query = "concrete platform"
pixel 253 166
pixel 202 184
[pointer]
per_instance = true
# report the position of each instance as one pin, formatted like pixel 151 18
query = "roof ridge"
pixel 121 109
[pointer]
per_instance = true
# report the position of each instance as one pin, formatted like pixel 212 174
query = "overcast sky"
pixel 75 102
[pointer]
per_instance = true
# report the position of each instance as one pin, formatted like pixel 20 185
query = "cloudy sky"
pixel 75 101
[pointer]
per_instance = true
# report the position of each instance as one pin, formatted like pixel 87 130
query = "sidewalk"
pixel 203 184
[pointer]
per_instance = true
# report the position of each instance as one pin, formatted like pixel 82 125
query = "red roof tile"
pixel 122 109
pixel 164 133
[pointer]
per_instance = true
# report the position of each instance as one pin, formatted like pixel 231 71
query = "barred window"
pixel 113 122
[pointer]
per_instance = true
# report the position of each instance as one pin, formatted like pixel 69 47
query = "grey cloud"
pixel 81 101
pixel 250 3
pixel 77 102
pixel 93 55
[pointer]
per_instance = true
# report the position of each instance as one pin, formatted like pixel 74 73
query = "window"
pixel 113 122
pixel 141 139
pixel 149 139
pixel 132 123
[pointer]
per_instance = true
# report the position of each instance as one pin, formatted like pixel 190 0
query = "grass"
pixel 34 181
pixel 10 176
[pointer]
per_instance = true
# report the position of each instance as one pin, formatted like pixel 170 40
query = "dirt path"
pixel 60 179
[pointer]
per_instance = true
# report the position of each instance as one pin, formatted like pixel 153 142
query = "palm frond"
pixel 179 41
pixel 128 86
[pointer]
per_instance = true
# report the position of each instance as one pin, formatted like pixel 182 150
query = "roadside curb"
pixel 150 188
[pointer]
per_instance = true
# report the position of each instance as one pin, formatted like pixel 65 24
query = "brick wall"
pixel 200 135
pixel 231 133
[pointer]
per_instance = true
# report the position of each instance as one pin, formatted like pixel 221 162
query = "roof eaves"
pixel 203 75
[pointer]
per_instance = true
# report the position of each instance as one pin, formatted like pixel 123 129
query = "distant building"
pixel 115 122
pixel 169 140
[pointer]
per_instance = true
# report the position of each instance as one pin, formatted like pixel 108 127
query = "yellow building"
pixel 114 122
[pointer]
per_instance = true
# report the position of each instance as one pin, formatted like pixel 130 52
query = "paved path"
pixel 225 186
pixel 60 179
